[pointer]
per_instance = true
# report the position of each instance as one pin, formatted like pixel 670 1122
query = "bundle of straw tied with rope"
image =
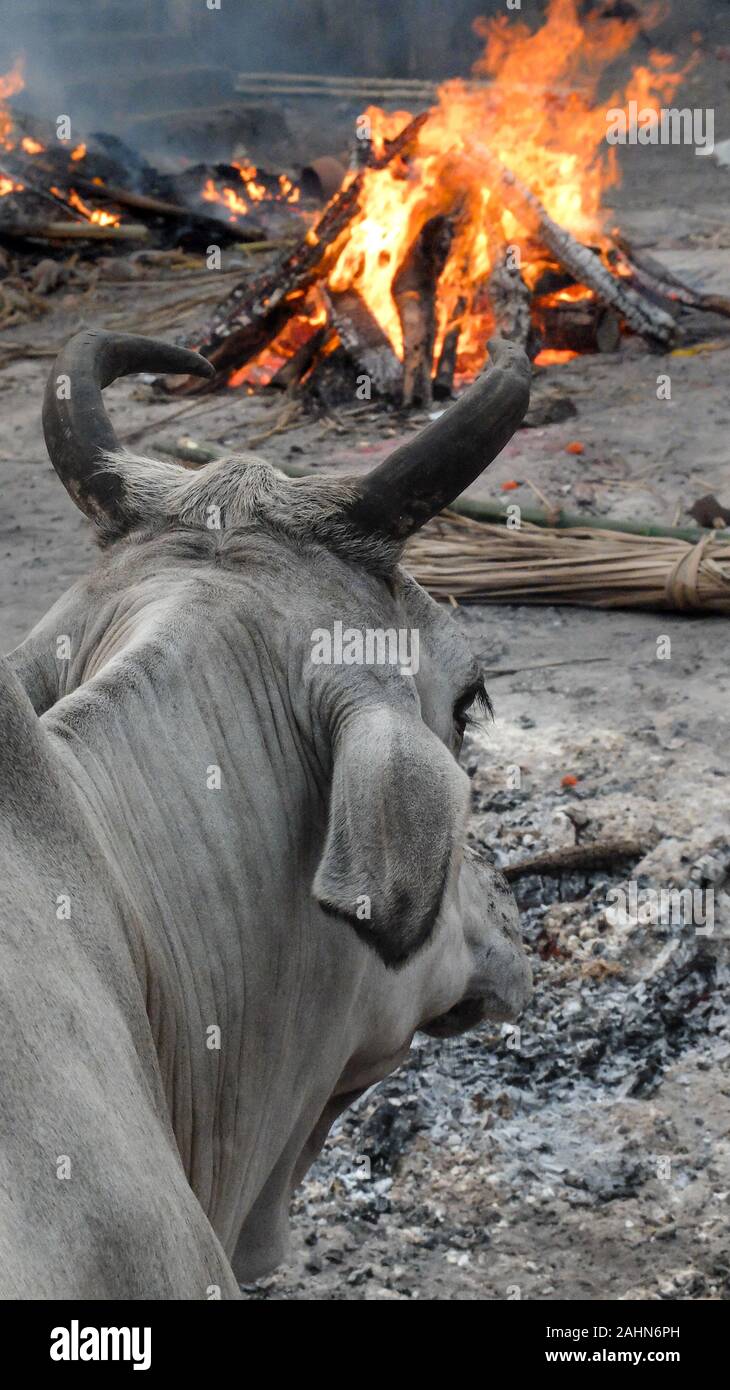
pixel 460 558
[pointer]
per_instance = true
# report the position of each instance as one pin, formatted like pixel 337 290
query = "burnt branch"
pixel 255 312
pixel 583 264
pixel 414 295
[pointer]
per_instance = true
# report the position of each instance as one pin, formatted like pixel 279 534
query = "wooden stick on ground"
pixel 596 855
pixel 74 231
pixel 288 419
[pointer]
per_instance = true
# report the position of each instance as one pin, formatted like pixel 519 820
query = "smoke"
pixel 110 65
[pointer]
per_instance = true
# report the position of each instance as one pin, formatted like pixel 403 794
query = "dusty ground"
pixel 589 1156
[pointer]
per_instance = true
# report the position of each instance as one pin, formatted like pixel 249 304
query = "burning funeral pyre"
pixel 480 215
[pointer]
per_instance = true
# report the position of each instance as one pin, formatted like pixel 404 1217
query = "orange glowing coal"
pixel 11 83
pixel 552 357
pixel 297 333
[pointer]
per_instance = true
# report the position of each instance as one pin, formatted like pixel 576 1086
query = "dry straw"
pixel 456 557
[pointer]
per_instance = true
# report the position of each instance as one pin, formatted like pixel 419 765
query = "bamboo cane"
pixel 74 231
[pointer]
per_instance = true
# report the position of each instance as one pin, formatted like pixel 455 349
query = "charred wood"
pixel 583 264
pixel 443 382
pixel 592 855
pixel 414 296
pixel 582 325
pixel 126 198
pixel 656 280
pixel 331 383
pixel 299 363
pixel 509 298
pixel 255 312
pixel 365 342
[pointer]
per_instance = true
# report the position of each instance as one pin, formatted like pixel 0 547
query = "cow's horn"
pixel 431 470
pixel 76 426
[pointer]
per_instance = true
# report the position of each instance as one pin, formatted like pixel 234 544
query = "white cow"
pixel 234 877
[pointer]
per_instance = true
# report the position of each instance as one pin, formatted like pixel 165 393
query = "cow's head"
pixel 371 678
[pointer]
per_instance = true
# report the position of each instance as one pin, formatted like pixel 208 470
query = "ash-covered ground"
pixel 588 1155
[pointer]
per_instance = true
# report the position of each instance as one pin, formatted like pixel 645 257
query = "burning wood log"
pixel 443 381
pixel 414 296
pixel 510 300
pixel 126 198
pixel 655 279
pixel 48 195
pixel 255 312
pixel 581 325
pixel 143 203
pixel 365 342
pixel 300 362
pixel 582 263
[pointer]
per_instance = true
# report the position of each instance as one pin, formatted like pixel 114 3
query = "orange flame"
pixel 8 185
pixel 299 328
pixel 95 215
pixel 10 83
pixel 236 205
pixel 550 357
pixel 540 116
pixel 256 191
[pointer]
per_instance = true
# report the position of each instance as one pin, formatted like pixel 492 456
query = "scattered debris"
pixel 707 511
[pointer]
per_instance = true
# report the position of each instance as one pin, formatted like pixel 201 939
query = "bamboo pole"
pixel 594 564
pixel 127 198
pixel 327 80
pixel 74 231
pixel 324 84
pixel 477 509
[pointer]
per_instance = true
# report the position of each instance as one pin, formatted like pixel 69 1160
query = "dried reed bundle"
pixel 454 556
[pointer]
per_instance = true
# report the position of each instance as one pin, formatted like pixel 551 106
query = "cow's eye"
pixel 473 699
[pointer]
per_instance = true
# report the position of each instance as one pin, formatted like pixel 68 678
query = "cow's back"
pixel 94 1202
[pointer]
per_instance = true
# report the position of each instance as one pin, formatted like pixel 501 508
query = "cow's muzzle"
pixel 500 986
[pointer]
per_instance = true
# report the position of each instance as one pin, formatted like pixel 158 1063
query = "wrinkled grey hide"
pixel 210 807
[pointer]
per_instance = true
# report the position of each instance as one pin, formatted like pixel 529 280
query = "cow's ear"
pixel 397 814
